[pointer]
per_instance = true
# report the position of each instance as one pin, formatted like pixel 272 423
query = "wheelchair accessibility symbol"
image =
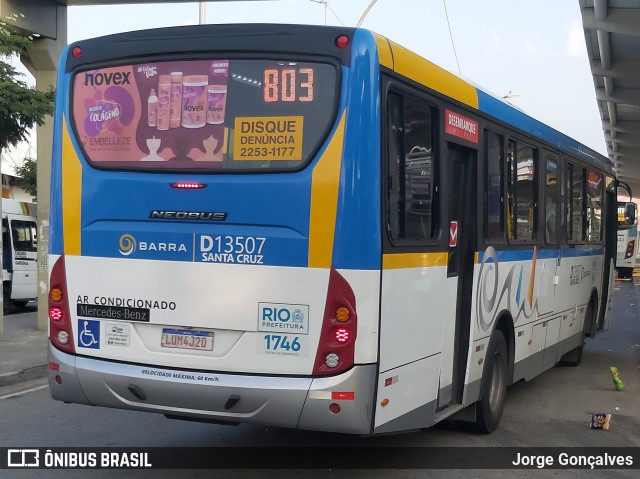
pixel 88 334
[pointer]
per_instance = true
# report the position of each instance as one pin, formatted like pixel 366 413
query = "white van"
pixel 19 253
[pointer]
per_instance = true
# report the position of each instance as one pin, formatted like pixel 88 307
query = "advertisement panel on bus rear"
pixel 215 113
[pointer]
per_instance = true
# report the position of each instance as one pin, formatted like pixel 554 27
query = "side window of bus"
pixel 411 172
pixel 6 245
pixel 23 235
pixel 493 197
pixel 551 201
pixel 594 207
pixel 575 212
pixel 521 191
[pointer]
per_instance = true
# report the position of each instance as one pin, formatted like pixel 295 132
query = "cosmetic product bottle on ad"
pixel 194 101
pixel 175 104
pixel 164 92
pixel 152 108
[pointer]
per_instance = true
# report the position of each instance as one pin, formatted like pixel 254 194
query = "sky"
pixel 535 49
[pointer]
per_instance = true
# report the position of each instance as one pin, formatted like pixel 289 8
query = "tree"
pixel 28 176
pixel 21 107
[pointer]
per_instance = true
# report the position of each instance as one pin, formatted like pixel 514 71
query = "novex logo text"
pixel 113 78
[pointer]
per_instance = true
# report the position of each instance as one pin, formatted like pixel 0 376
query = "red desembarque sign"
pixel 460 126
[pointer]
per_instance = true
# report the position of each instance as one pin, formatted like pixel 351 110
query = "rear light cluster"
pixel 60 332
pixel 188 185
pixel 336 348
pixel 630 247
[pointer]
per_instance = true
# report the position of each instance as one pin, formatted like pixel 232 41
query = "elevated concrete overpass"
pixel 612 34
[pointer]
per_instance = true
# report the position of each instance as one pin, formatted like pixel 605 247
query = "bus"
pixel 19 254
pixel 311 227
pixel 627 235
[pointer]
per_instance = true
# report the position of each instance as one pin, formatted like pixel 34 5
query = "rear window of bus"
pixel 210 115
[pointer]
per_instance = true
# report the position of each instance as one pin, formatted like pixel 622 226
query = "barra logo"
pixel 127 244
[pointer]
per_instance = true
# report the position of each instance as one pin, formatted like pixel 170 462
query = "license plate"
pixel 187 339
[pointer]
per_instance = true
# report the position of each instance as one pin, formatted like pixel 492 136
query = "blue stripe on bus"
pixel 56 243
pixel 357 243
pixel 502 111
pixel 527 254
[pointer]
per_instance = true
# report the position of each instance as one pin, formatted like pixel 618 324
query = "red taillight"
pixel 342 41
pixel 56 314
pixel 342 335
pixel 60 331
pixel 630 247
pixel 75 52
pixel 336 348
pixel 188 185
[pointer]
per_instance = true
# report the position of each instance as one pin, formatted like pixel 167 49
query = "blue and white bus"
pixel 311 227
pixel 627 235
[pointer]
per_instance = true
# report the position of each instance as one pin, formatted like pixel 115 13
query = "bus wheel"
pixel 7 304
pixel 574 357
pixel 625 273
pixel 494 385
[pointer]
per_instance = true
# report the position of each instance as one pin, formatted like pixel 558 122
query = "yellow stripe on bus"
pixel 325 184
pixel 414 260
pixel 416 68
pixel 71 194
pixel 384 51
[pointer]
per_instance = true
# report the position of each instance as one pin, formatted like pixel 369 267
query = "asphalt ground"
pixel 23 347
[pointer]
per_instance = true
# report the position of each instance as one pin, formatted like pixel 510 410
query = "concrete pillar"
pixel 45 143
pixel 48 19
pixel 42 61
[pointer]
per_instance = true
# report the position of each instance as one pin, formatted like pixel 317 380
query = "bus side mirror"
pixel 630 213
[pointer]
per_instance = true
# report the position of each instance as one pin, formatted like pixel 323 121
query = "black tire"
pixel 20 304
pixel 625 273
pixel 7 304
pixel 574 357
pixel 493 391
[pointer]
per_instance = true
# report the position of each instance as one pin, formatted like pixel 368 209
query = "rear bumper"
pixel 301 403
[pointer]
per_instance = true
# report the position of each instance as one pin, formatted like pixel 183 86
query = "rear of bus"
pixel 627 238
pixel 214 236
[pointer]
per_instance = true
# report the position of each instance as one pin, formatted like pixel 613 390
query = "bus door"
pixel 23 247
pixel 461 194
pixel 549 258
pixel 610 245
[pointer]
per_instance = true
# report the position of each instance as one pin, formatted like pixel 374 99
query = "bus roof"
pixel 405 62
pixel 315 39
pixel 16 207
